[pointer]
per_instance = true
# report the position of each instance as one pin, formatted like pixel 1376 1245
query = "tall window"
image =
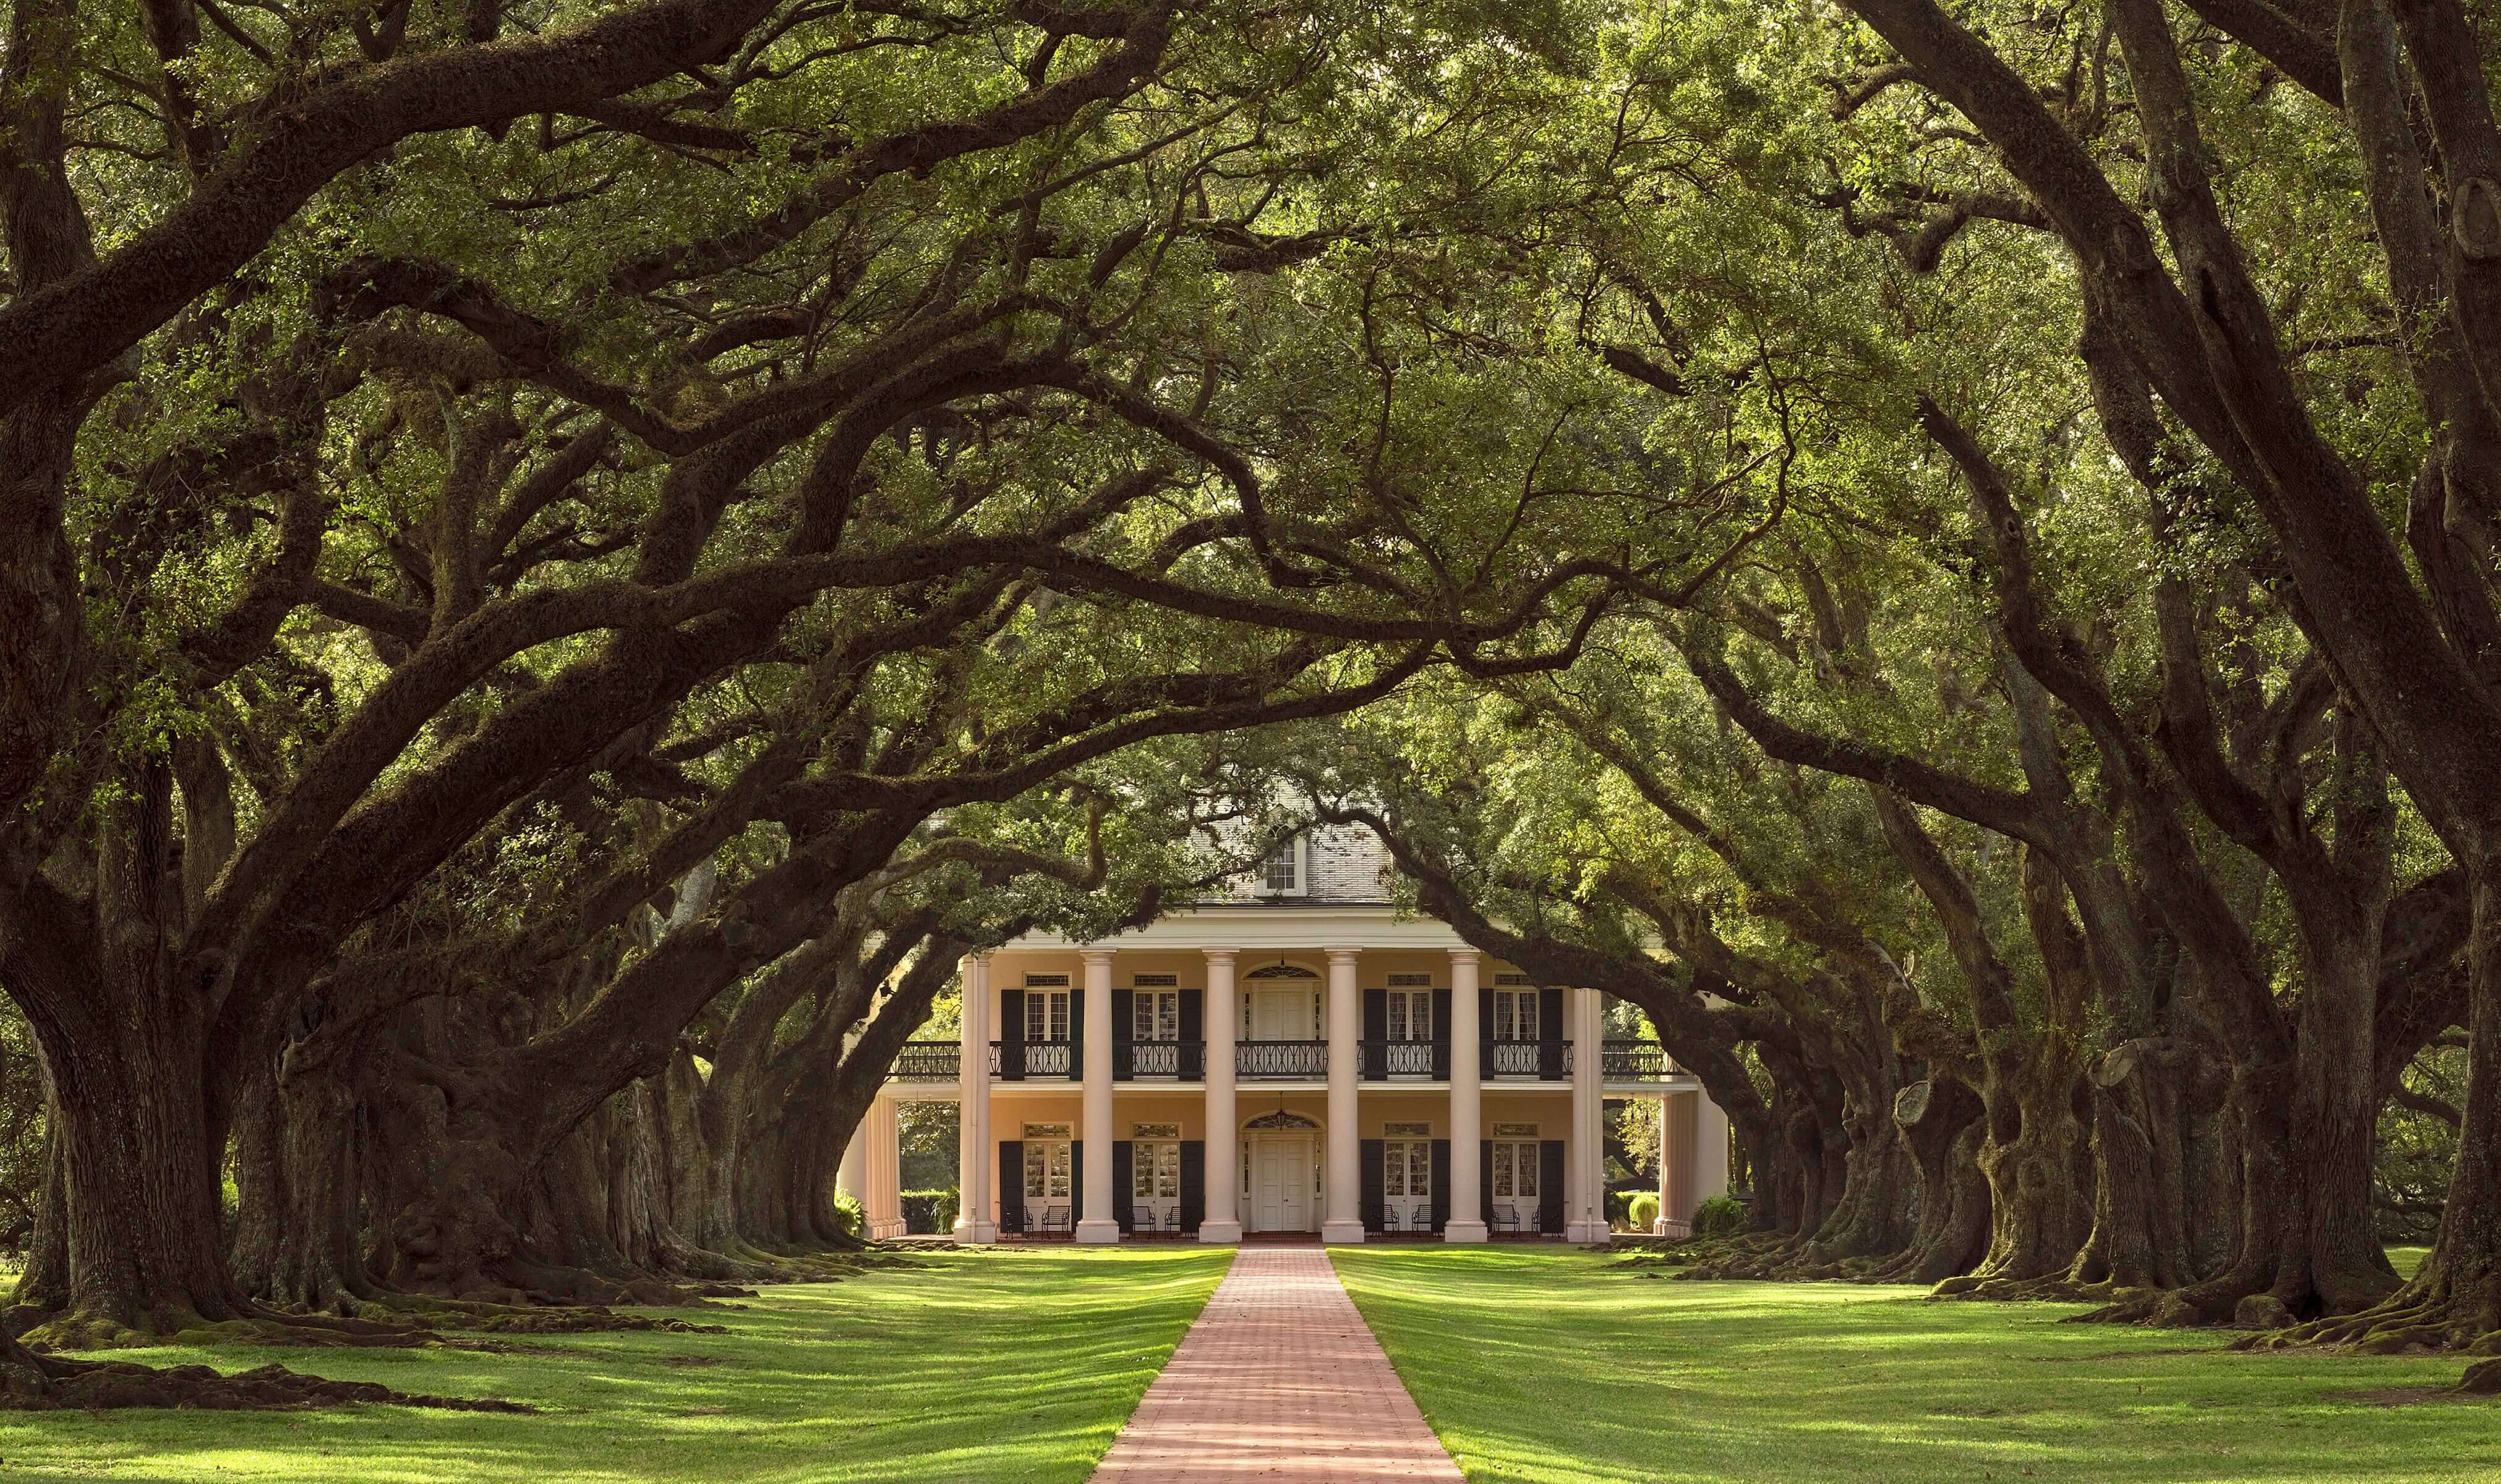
pixel 1514 1169
pixel 1514 1014
pixel 1410 1014
pixel 1155 1015
pixel 1045 1170
pixel 1407 1160
pixel 1046 1014
pixel 1282 871
pixel 1154 1170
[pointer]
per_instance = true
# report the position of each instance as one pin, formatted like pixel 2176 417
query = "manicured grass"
pixel 1563 1367
pixel 1009 1365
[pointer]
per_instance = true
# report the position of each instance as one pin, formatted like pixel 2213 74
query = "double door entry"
pixel 1284 1182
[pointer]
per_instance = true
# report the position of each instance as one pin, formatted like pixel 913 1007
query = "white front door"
pixel 1280 1182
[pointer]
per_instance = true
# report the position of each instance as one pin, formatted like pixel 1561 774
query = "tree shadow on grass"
pixel 978 1367
pixel 1540 1367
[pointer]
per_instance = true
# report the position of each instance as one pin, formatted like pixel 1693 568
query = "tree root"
pixel 30 1382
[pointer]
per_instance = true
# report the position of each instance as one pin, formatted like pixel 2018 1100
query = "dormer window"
pixel 1281 875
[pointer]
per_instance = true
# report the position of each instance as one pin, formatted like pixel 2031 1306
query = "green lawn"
pixel 1558 1365
pixel 1014 1366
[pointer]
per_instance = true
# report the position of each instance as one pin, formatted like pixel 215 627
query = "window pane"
pixel 1033 1179
pixel 1033 1018
pixel 1168 1015
pixel 1502 1169
pixel 1527 1015
pixel 1168 1170
pixel 1059 1017
pixel 1504 1025
pixel 1397 1016
pixel 1528 1169
pixel 1393 1170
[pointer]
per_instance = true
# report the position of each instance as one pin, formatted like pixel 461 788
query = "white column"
pixel 976 1159
pixel 1675 1199
pixel 1344 1221
pixel 1467 1103
pixel 1667 1164
pixel 883 1198
pixel 1223 1222
pixel 1584 1184
pixel 851 1177
pixel 1710 1148
pixel 1100 1224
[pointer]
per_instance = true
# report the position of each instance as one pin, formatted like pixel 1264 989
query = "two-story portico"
pixel 1292 1058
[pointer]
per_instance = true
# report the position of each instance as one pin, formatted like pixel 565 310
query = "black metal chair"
pixel 1506 1222
pixel 1011 1218
pixel 1057 1222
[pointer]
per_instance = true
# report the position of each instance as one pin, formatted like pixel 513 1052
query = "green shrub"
pixel 847 1211
pixel 930 1213
pixel 1641 1212
pixel 1720 1216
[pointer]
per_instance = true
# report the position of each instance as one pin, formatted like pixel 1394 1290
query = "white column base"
pixel 977 1233
pixel 1587 1233
pixel 886 1231
pixel 1470 1231
pixel 1658 1227
pixel 1341 1233
pixel 1219 1232
pixel 1098 1232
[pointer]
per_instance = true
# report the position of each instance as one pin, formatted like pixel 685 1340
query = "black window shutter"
pixel 1373 1204
pixel 1194 1035
pixel 1441 1037
pixel 1193 1183
pixel 1485 1177
pixel 1123 1200
pixel 1375 1030
pixel 1123 1031
pixel 1012 1036
pixel 1549 1033
pixel 1441 1181
pixel 1011 1185
pixel 1075 1181
pixel 1550 1187
pixel 1484 1033
pixel 1077 1033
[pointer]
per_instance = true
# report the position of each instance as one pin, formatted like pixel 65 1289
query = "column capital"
pixel 1342 954
pixel 1221 955
pixel 1092 956
pixel 1465 956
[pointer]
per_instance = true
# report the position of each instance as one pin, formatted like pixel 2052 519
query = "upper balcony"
pixel 1288 1060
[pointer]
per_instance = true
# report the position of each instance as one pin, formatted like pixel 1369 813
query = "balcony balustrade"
pixel 1635 1061
pixel 1544 1059
pixel 1302 1059
pixel 929 1061
pixel 1183 1059
pixel 1404 1059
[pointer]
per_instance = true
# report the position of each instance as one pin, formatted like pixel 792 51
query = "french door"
pixel 1280 1184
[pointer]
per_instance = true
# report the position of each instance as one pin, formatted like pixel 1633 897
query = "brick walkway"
pixel 1278 1380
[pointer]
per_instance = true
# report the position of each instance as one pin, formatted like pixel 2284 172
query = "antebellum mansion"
pixel 1292 1057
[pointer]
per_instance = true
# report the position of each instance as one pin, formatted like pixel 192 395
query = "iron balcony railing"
pixel 1034 1058
pixel 1527 1058
pixel 1635 1061
pixel 929 1061
pixel 1186 1059
pixel 1402 1059
pixel 1281 1059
